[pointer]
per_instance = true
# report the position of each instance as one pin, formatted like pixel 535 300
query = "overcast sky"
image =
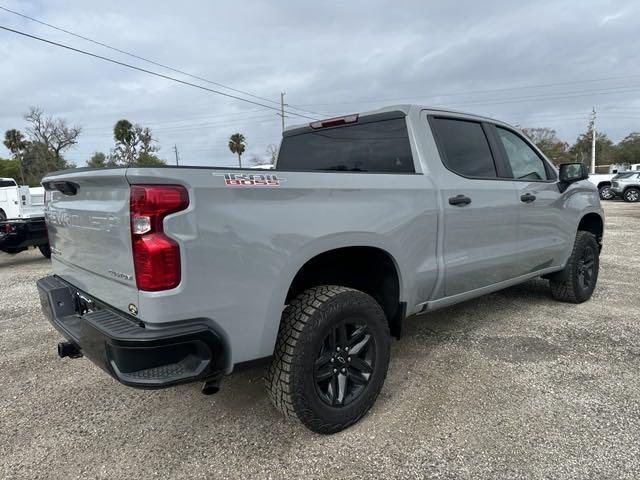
pixel 536 64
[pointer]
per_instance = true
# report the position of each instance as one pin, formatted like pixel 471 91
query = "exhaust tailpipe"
pixel 211 386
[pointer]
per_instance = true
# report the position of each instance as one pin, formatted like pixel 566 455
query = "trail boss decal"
pixel 251 179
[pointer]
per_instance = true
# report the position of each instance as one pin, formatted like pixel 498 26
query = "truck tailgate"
pixel 87 213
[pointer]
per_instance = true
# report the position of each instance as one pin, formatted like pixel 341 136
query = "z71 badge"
pixel 251 179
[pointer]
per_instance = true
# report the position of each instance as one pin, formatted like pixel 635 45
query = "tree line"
pixel 42 146
pixel 625 152
pixel 46 139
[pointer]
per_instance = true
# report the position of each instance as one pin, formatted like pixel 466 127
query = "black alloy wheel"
pixel 344 363
pixel 586 267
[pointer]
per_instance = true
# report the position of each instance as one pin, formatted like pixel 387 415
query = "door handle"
pixel 527 198
pixel 459 200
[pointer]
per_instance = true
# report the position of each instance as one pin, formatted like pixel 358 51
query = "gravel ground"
pixel 511 385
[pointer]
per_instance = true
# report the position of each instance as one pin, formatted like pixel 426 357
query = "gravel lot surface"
pixel 511 385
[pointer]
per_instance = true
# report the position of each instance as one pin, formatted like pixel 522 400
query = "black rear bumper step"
pixel 122 345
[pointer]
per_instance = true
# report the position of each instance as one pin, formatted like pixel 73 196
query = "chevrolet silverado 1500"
pixel 166 275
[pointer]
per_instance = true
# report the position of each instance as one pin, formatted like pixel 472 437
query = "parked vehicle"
pixel 22 218
pixel 166 275
pixel 603 182
pixel 627 186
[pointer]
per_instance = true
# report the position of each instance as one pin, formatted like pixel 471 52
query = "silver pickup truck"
pixel 176 274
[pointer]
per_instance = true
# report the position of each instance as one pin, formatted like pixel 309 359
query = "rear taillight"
pixel 156 257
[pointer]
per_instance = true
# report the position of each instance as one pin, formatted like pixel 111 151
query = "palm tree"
pixel 15 143
pixel 237 145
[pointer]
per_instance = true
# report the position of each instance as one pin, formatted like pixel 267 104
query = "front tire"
pixel 631 195
pixel 576 283
pixel 331 358
pixel 606 193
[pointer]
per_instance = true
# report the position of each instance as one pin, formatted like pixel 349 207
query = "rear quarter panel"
pixel 242 246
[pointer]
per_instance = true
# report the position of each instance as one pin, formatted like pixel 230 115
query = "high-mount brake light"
pixel 334 122
pixel 156 257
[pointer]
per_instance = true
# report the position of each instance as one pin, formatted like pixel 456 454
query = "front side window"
pixel 525 162
pixel 464 147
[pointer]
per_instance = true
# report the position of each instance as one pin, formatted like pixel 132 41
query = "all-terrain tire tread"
pixel 294 327
pixel 565 290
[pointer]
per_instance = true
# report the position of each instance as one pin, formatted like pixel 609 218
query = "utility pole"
pixel 282 105
pixel 593 141
pixel 175 150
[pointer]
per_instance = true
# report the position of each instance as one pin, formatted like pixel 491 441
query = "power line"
pixel 473 92
pixel 144 70
pixel 260 118
pixel 558 96
pixel 133 55
pixel 152 62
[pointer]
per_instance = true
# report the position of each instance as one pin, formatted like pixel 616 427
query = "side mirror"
pixel 573 172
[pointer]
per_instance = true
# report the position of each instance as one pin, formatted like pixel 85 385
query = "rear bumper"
pixel 122 345
pixel 20 234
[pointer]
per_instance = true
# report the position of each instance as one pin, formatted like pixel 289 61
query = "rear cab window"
pixel 370 144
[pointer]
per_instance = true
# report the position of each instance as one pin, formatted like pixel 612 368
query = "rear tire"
pixel 576 283
pixel 45 250
pixel 631 195
pixel 3 216
pixel 331 358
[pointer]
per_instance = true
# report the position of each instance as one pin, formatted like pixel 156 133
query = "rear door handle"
pixel 459 200
pixel 527 198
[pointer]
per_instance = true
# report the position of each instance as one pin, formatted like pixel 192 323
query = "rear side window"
pixel 525 162
pixel 7 183
pixel 381 146
pixel 464 147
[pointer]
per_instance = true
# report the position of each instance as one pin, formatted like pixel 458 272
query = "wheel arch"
pixel 594 223
pixel 370 269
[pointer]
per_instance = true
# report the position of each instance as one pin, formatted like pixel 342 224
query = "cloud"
pixel 330 57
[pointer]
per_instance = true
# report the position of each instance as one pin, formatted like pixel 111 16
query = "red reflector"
pixel 156 257
pixel 333 122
